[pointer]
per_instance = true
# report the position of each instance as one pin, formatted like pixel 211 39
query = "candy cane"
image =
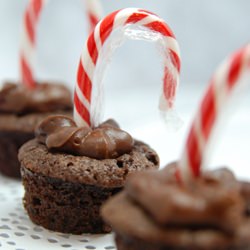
pixel 227 77
pixel 28 42
pixel 27 51
pixel 85 111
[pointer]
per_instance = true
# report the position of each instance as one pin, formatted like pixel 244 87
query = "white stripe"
pixel 87 63
pixel 185 168
pixel 246 58
pixel 163 103
pixel 199 135
pixel 172 44
pixel 44 2
pixel 97 37
pixel 122 16
pixel 78 119
pixel 27 50
pixel 220 87
pixel 82 98
pixel 248 52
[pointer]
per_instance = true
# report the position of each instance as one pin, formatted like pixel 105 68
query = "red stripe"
pixel 92 48
pixel 37 7
pixel 30 28
pixel 177 175
pixel 169 86
pixel 175 59
pixel 235 68
pixel 93 21
pixel 81 109
pixel 160 27
pixel 193 152
pixel 208 111
pixel 26 74
pixel 84 82
pixel 106 26
pixel 136 17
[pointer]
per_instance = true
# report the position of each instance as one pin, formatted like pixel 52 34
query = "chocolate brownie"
pixel 245 191
pixel 65 189
pixel 155 212
pixel 20 112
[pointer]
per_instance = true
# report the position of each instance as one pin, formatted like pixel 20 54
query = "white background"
pixel 206 30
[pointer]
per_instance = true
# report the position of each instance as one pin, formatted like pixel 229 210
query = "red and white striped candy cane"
pixel 227 77
pixel 28 41
pixel 85 112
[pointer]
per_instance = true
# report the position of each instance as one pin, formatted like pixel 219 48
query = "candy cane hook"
pixel 85 111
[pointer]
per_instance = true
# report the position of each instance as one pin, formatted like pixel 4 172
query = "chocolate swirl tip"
pixel 104 142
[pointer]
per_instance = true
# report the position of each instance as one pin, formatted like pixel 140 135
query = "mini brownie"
pixel 155 212
pixel 68 172
pixel 21 109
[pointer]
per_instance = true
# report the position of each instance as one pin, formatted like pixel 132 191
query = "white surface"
pixel 17 232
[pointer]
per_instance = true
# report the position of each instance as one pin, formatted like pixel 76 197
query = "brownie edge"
pixel 82 169
pixel 10 142
pixel 63 206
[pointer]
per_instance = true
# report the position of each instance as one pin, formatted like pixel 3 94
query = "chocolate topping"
pixel 160 212
pixel 214 195
pixel 104 142
pixel 16 98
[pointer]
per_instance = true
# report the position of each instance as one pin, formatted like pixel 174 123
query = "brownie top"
pixel 155 208
pixel 103 142
pixel 82 169
pixel 45 97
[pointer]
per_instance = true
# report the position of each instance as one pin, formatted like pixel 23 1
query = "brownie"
pixel 155 212
pixel 245 191
pixel 64 206
pixel 64 191
pixel 21 110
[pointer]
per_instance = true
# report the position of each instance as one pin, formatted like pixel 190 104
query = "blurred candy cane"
pixel 28 42
pixel 94 12
pixel 224 81
pixel 85 106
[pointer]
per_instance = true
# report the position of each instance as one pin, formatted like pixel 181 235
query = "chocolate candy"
pixel 104 142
